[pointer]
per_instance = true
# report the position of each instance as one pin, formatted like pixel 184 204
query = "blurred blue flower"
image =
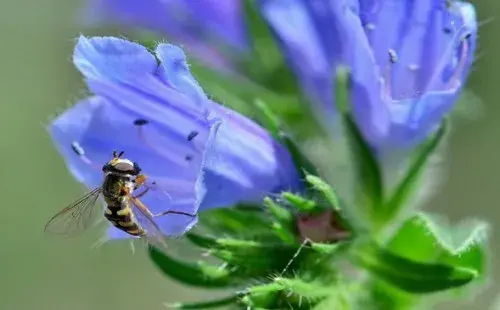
pixel 408 59
pixel 200 25
pixel 200 154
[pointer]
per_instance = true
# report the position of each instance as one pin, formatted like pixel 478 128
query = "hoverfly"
pixel 124 210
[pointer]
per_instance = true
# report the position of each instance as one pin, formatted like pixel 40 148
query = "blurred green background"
pixel 38 79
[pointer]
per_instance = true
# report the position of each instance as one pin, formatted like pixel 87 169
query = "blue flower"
pixel 408 59
pixel 200 154
pixel 195 24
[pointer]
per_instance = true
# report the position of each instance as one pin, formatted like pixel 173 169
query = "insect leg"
pixel 144 192
pixel 173 212
pixel 139 204
pixel 132 246
pixel 97 244
pixel 139 181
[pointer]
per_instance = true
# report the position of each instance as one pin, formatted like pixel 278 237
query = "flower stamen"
pixel 393 58
pixel 139 123
pixel 456 77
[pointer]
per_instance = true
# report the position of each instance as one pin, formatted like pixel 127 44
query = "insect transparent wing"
pixel 153 235
pixel 75 218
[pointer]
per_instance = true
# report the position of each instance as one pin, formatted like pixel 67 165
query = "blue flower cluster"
pixel 408 61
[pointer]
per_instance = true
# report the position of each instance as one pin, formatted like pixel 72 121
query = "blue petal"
pixel 183 20
pixel 175 72
pixel 173 162
pixel 386 23
pixel 414 119
pixel 112 58
pixel 241 165
pixel 199 26
pixel 70 127
pixel 302 47
pixel 368 101
pixel 119 68
pixel 223 18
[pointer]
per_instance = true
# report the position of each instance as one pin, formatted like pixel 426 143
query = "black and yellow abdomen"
pixel 120 215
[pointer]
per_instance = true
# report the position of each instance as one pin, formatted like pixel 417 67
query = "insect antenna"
pixel 78 149
pixel 118 155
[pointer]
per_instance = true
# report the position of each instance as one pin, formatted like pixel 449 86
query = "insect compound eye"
pixel 105 168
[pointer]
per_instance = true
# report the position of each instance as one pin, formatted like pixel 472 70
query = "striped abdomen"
pixel 120 215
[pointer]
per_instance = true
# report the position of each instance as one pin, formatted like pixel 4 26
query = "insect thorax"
pixel 116 186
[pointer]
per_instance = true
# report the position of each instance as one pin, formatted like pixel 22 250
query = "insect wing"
pixel 75 218
pixel 153 235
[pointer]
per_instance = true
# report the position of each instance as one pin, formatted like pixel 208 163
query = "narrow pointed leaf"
pixel 270 121
pixel 266 63
pixel 325 189
pixel 300 203
pixel 409 275
pixel 241 221
pixel 369 176
pixel 301 161
pixel 279 212
pixel 284 234
pixel 410 182
pixel 341 87
pixel 254 259
pixel 188 273
pixel 287 293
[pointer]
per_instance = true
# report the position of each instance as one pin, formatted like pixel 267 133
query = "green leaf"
pixel 342 89
pixel 251 256
pixel 270 121
pixel 410 275
pixel 266 63
pixel 207 304
pixel 326 248
pixel 302 204
pixel 368 174
pixel 410 182
pixel 197 275
pixel 285 234
pixel 285 292
pixel 435 240
pixel 246 221
pixel 338 300
pixel 255 259
pixel 279 212
pixel 325 189
pixel 301 161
